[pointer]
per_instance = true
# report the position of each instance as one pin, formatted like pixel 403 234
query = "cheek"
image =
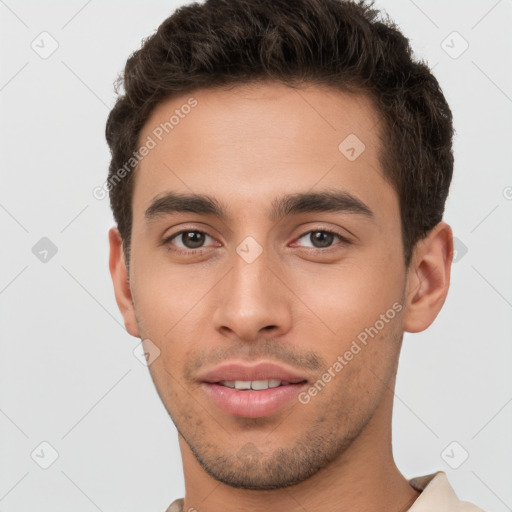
pixel 345 299
pixel 170 308
pixel 358 372
pixel 167 297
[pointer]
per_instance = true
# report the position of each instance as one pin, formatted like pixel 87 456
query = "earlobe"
pixel 428 278
pixel 118 272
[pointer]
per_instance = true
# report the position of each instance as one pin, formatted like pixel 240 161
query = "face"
pixel 288 254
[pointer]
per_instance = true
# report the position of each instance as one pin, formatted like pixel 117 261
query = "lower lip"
pixel 250 403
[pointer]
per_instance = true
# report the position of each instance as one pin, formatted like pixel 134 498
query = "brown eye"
pixel 192 239
pixel 320 239
pixel 189 239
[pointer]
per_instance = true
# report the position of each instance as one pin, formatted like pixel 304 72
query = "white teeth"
pixel 259 384
pixel 256 385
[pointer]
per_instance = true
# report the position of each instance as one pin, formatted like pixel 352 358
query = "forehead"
pixel 254 140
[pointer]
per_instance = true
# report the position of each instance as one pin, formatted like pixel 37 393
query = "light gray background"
pixel 68 375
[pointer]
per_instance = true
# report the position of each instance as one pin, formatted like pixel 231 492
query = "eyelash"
pixel 179 251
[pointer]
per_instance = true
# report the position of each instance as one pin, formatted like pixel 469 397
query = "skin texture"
pixel 295 305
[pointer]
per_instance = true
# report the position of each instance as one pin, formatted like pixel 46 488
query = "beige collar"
pixel 436 494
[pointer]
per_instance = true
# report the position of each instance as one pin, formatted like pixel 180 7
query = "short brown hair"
pixel 343 44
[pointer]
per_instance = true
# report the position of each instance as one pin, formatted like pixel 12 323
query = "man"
pixel 278 178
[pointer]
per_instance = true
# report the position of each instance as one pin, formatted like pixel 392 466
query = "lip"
pixel 260 371
pixel 251 403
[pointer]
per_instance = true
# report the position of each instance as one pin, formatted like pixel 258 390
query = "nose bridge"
pixel 250 296
pixel 249 277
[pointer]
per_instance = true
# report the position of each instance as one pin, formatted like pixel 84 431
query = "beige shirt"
pixel 437 495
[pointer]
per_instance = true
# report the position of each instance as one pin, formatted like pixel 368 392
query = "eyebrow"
pixel 337 201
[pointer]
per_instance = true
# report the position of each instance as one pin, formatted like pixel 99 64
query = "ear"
pixel 117 266
pixel 428 278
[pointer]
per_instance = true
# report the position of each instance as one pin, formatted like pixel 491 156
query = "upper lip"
pixel 245 372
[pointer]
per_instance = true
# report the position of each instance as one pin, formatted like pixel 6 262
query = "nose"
pixel 251 301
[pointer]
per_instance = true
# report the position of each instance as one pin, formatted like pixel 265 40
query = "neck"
pixel 363 477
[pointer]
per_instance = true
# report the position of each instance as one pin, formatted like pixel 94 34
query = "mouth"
pixel 262 375
pixel 256 385
pixel 252 390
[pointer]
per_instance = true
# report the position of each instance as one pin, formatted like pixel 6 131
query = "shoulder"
pixel 176 506
pixel 437 494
